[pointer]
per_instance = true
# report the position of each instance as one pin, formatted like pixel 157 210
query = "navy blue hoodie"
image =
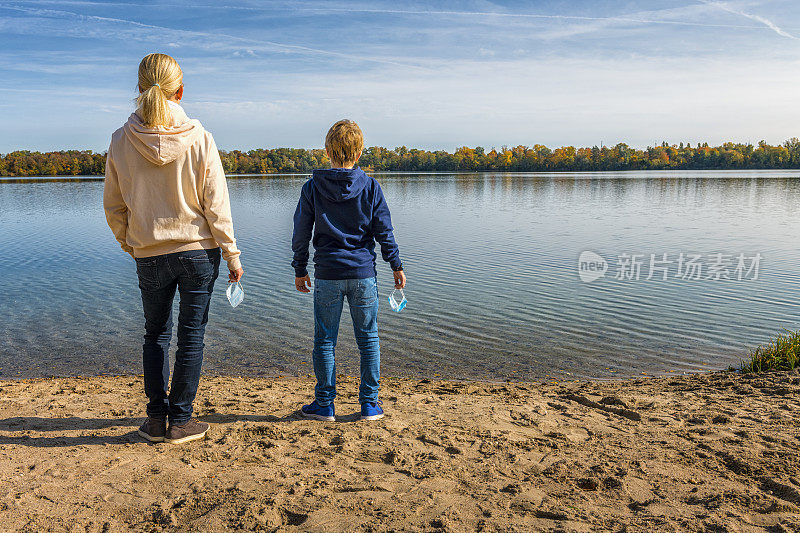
pixel 348 213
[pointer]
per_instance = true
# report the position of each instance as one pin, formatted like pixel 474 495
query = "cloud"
pixel 488 78
pixel 326 8
pixel 549 101
pixel 766 22
pixel 200 39
pixel 296 7
pixel 633 19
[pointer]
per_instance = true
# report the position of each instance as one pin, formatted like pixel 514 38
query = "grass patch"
pixel 783 353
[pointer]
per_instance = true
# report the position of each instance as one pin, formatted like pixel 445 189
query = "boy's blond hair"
pixel 344 142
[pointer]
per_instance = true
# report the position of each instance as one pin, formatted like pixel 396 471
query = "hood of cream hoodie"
pixel 161 145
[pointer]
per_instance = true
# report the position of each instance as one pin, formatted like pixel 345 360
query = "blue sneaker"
pixel 317 412
pixel 371 410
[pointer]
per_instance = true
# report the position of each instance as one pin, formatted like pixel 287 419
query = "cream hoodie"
pixel 165 189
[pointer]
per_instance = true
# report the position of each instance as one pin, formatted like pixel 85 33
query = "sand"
pixel 708 452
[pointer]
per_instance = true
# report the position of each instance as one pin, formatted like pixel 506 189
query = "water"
pixel 493 288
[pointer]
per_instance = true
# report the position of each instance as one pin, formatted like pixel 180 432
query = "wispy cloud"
pixel 277 73
pixel 201 39
pixel 626 19
pixel 758 18
pixel 326 8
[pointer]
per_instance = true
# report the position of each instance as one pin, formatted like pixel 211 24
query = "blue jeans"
pixel 362 298
pixel 193 274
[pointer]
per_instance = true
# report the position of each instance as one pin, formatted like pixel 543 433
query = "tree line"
pixel 536 158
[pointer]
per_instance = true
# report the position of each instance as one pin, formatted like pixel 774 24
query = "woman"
pixel 167 203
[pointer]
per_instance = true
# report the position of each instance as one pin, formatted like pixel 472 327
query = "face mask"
pixel 235 293
pixel 398 302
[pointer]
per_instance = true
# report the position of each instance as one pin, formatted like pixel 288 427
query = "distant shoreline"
pixel 564 173
pixel 536 158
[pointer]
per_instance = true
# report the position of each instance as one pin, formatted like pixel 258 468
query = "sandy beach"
pixel 707 452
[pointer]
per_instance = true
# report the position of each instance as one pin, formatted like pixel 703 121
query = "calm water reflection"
pixel 493 287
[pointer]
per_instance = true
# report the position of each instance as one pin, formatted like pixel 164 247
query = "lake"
pixel 494 285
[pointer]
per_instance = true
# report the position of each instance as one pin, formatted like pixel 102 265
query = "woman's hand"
pixel 303 284
pixel 235 275
pixel 399 279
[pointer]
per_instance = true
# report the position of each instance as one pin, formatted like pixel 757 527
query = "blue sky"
pixel 422 74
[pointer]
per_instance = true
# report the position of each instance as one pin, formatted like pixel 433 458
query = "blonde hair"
pixel 160 77
pixel 344 141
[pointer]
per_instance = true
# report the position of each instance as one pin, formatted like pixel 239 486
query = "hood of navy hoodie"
pixel 340 184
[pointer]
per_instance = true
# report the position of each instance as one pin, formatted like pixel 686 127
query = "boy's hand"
pixel 235 275
pixel 303 284
pixel 399 279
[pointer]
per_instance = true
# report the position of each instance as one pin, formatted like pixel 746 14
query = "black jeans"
pixel 193 274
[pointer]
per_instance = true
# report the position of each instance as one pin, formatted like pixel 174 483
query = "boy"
pixel 348 213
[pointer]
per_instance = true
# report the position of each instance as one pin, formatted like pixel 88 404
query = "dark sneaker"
pixel 317 412
pixel 154 429
pixel 191 430
pixel 371 410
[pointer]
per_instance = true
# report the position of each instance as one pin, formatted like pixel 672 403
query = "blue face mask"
pixel 398 302
pixel 235 293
